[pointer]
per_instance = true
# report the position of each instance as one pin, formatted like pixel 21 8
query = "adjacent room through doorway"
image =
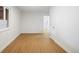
pixel 46 24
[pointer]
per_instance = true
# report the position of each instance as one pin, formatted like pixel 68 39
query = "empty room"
pixel 39 29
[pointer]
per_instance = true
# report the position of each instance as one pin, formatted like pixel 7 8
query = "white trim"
pixel 4 29
pixel 60 44
pixel 4 13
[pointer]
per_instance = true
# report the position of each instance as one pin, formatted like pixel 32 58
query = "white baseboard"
pixel 1 49
pixel 60 44
pixel 32 33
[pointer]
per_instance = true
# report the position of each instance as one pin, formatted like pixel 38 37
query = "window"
pixel 4 17
pixel 1 13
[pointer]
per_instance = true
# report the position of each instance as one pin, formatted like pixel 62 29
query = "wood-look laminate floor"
pixel 33 43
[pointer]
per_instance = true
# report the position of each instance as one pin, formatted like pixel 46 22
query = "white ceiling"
pixel 34 8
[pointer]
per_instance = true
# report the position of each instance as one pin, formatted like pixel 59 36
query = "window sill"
pixel 1 30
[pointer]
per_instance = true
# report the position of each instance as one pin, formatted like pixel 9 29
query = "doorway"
pixel 46 24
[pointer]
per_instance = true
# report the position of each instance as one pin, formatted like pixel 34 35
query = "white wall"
pixel 66 31
pixel 32 22
pixel 9 35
